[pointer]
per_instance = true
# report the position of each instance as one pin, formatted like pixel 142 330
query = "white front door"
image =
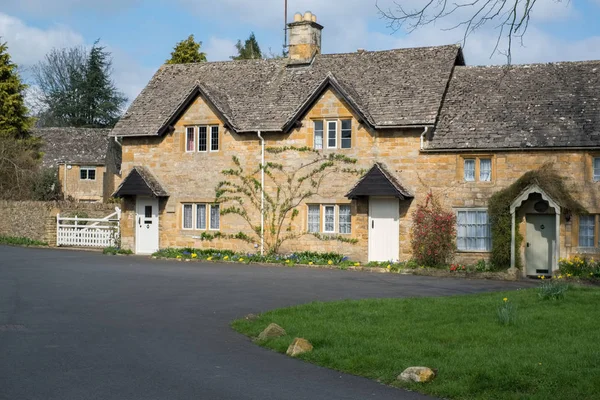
pixel 540 245
pixel 146 225
pixel 384 229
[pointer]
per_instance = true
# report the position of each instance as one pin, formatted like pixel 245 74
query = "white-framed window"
pixel 473 231
pixel 202 139
pixel 187 216
pixel 318 140
pixel 469 169
pixel 201 216
pixel 87 173
pixel 485 169
pixel 195 216
pixel 331 134
pixel 344 219
pixel 314 218
pixel 346 134
pixel 596 169
pixel 329 219
pixel 214 138
pixel 587 227
pixel 190 139
pixel 215 217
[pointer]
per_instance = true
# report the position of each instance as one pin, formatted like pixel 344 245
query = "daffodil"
pixel 389 266
pixel 178 257
pixel 505 299
pixel 209 258
pixel 226 258
pixel 329 262
pixel 194 255
pixel 287 261
pixel 241 259
pixel 543 277
pixel 357 264
pixel 310 263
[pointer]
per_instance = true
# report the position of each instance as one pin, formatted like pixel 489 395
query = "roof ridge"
pixel 522 66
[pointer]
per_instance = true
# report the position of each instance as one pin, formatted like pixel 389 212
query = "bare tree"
pixel 509 17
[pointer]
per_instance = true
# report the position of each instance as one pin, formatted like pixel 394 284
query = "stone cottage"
pixel 87 161
pixel 416 120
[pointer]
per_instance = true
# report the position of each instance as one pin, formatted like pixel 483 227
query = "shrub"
pixel 506 313
pixel 552 289
pixel 21 241
pixel 46 186
pixel 581 267
pixel 433 233
pixel 116 250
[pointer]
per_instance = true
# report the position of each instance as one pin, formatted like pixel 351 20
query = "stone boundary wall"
pixel 37 219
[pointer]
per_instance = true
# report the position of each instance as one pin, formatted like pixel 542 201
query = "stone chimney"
pixel 305 37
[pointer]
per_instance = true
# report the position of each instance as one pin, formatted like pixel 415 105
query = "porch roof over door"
pixel 379 182
pixel 140 182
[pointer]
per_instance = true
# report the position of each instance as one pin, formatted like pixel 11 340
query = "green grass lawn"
pixel 551 352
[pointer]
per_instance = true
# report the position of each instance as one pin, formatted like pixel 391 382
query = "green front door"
pixel 539 243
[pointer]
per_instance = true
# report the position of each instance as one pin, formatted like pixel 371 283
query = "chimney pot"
pixel 308 16
pixel 305 37
pixel 297 17
pixel 314 18
pixel 360 51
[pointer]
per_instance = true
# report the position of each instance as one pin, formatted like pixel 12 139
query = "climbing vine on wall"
pixel 550 182
pixel 297 175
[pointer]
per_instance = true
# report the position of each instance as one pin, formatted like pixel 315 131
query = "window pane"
pixel 189 139
pixel 329 225
pixel 346 133
pixel 314 218
pixel 345 219
pixel 318 135
pixel 214 138
pixel 586 230
pixel 91 174
pixel 148 212
pixel 485 170
pixel 473 231
pixel 187 216
pixel 83 173
pixel 469 170
pixel 200 216
pixel 215 217
pixel 202 141
pixel 597 169
pixel 332 134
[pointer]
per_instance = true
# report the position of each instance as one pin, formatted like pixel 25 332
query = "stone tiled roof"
pixel 393 88
pixel 522 106
pixel 75 146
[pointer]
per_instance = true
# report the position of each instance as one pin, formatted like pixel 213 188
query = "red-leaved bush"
pixel 433 233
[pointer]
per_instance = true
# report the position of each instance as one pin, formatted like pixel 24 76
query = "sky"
pixel 140 34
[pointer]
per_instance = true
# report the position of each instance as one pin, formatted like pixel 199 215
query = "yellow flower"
pixel 539 363
pixel 178 257
pixel 287 261
pixel 389 266
pixel 310 263
pixel 357 264
pixel 226 258
pixel 560 277
pixel 241 259
pixel 543 277
pixel 209 258
pixel 194 255
pixel 329 262
pixel 505 299
pixel 591 274
pixel 569 275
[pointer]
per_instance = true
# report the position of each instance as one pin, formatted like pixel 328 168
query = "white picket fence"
pixel 88 232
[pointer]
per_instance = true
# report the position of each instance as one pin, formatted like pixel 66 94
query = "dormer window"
pixel 336 132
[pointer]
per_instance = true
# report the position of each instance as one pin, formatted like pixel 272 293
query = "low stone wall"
pixel 37 219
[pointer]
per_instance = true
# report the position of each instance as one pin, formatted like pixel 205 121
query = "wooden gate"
pixel 88 232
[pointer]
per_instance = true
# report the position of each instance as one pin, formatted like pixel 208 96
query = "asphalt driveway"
pixel 79 325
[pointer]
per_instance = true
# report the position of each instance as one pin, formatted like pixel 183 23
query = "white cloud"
pixel 27 45
pixel 218 49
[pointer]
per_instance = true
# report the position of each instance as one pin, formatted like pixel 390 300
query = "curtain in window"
pixel 215 217
pixel 346 134
pixel 200 216
pixel 469 170
pixel 345 219
pixel 485 170
pixel 586 230
pixel 597 169
pixel 318 135
pixel 187 216
pixel 314 218
pixel 190 139
pixel 202 138
pixel 332 134
pixel 329 219
pixel 473 231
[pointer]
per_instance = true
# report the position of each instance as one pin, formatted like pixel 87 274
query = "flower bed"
pixel 579 267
